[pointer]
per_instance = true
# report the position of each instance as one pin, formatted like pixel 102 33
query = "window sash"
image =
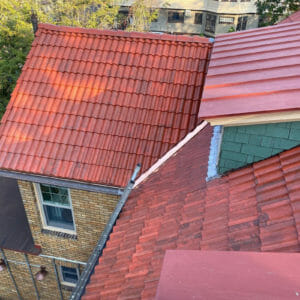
pixel 64 211
pixel 64 272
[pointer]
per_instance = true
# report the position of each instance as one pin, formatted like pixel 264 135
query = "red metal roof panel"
pixel 226 275
pixel 295 17
pixel 85 97
pixel 253 71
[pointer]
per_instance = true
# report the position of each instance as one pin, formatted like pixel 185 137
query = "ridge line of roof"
pixel 124 34
pixel 154 168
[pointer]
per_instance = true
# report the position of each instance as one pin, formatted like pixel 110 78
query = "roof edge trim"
pixel 125 34
pixel 169 154
pixel 62 182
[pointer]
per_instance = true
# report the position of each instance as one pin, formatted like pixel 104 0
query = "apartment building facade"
pixel 206 17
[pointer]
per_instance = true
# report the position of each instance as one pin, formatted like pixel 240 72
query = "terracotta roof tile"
pixel 253 71
pixel 90 104
pixel 256 208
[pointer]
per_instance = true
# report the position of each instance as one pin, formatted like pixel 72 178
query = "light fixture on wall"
pixel 2 265
pixel 41 274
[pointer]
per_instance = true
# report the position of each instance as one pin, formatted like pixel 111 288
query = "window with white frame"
pixel 69 276
pixel 56 207
pixel 226 20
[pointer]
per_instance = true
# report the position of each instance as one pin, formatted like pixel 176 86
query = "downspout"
pixel 94 258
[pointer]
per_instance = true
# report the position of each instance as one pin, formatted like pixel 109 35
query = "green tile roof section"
pixel 242 145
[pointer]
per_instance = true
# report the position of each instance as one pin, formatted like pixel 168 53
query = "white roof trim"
pixel 169 154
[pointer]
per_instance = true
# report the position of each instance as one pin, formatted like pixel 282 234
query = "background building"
pixel 208 17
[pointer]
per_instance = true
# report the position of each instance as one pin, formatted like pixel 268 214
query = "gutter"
pixel 62 182
pixel 97 252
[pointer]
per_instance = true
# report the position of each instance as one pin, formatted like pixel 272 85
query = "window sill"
pixel 60 234
pixel 69 288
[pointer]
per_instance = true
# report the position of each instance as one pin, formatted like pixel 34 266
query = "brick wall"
pixel 242 145
pixel 91 213
pixel 47 288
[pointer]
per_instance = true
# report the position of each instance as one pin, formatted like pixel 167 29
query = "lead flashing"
pixel 215 147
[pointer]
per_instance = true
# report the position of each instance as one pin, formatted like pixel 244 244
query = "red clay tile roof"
pixel 253 209
pixel 253 71
pixel 295 17
pixel 90 104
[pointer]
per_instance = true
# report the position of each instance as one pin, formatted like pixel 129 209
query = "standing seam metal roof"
pixel 253 71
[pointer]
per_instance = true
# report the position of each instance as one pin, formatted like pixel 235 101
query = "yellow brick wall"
pixel 91 213
pixel 47 288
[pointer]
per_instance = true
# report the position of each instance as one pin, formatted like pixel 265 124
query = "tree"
pixel 141 14
pixel 270 12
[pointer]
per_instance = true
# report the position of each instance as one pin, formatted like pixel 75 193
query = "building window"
pixel 123 19
pixel 175 16
pixel 226 20
pixel 198 18
pixel 56 207
pixel 242 23
pixel 210 24
pixel 69 276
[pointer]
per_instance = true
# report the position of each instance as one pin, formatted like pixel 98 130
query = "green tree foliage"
pixel 270 12
pixel 16 34
pixel 141 14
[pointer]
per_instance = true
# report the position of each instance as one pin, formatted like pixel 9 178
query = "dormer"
pixel 252 92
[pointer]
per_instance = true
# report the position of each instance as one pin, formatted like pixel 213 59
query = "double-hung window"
pixel 56 207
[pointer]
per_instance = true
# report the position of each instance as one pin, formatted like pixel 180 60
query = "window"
pixel 56 207
pixel 210 25
pixel 226 20
pixel 123 19
pixel 242 23
pixel 198 18
pixel 69 276
pixel 175 16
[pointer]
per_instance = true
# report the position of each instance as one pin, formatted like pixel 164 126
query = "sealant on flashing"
pixel 215 147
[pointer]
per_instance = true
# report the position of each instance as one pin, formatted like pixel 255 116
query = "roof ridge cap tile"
pixel 125 34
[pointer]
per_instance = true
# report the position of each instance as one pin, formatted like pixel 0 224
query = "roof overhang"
pixel 255 119
pixel 62 182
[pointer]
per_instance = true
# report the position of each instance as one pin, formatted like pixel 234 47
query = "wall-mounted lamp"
pixel 2 265
pixel 41 274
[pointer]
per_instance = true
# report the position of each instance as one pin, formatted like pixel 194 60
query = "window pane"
pixel 55 195
pixel 210 24
pixel 175 17
pixel 226 20
pixel 59 217
pixel 198 18
pixel 69 274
